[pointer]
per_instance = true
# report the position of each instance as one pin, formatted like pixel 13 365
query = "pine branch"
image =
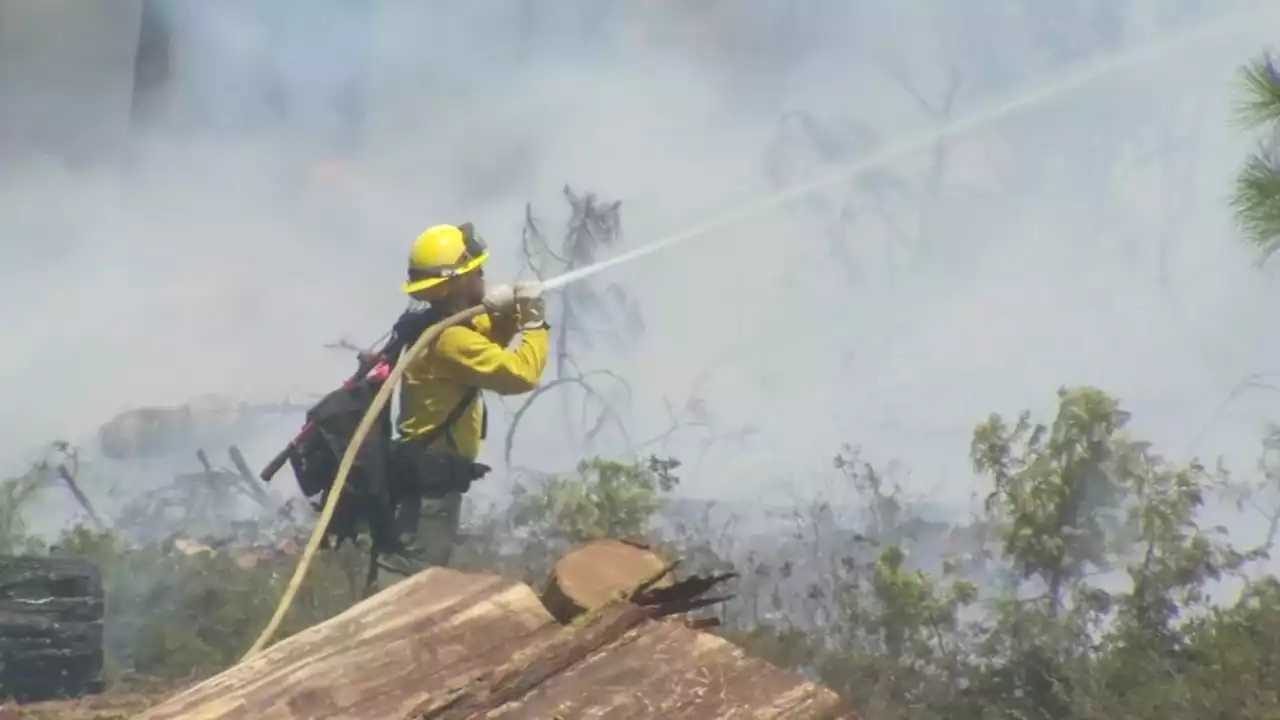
pixel 1257 201
pixel 1262 84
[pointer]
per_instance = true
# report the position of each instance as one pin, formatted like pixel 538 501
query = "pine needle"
pixel 1257 201
pixel 1257 194
pixel 1262 85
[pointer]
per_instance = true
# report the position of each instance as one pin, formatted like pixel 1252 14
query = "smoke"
pixel 252 200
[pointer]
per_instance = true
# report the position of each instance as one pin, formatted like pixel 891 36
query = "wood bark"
pixel 447 645
pixel 598 572
pixel 588 634
pixel 379 659
pixel 249 479
pixel 51 612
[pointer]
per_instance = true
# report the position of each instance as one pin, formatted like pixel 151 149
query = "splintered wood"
pixel 445 645
pixel 542 660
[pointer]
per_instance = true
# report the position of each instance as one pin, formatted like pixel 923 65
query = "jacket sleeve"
pixel 501 330
pixel 475 360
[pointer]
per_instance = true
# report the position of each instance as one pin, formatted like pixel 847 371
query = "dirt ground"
pixel 126 699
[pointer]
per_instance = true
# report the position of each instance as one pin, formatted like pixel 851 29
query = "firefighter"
pixel 442 418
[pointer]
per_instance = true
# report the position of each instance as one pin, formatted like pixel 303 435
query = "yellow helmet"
pixel 442 252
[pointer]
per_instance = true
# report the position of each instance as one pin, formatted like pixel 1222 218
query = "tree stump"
pixel 51 612
pixel 598 572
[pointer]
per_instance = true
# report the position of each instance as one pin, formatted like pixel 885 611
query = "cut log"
pixel 598 572
pixel 378 659
pixel 540 662
pixel 145 432
pixel 444 644
pixel 51 613
pixel 664 671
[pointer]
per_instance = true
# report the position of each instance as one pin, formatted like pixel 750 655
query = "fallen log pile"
pixel 447 645
pixel 51 612
pixel 149 432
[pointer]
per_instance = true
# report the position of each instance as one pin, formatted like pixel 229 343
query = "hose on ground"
pixel 380 401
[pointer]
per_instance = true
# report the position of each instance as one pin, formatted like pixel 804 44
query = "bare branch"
pixel 68 470
pixel 579 380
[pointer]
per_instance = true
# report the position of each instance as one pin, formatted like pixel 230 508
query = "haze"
pixel 196 245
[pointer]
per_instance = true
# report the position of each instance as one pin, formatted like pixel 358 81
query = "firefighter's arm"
pixel 475 360
pixel 501 329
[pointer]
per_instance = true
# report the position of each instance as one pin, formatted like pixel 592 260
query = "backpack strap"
pixel 445 427
pixel 411 325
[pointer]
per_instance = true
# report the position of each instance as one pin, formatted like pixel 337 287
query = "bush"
pixel 174 615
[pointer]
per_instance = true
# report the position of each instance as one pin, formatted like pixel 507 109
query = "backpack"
pixel 369 497
pixel 315 459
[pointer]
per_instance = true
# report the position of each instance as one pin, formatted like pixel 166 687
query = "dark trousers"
pixel 429 485
pixel 427 528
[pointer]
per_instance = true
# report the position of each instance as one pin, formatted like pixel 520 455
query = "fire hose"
pixel 380 401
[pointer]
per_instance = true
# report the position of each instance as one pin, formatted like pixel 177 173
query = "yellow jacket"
pixel 462 358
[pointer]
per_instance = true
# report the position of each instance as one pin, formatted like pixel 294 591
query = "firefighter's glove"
pixel 500 301
pixel 531 309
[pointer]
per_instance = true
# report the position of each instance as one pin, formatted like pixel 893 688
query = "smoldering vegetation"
pixel 806 396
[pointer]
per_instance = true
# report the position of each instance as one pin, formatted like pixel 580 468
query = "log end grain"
pixel 598 572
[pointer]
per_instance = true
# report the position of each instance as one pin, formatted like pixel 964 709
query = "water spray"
pixel 1066 83
pixel 1076 79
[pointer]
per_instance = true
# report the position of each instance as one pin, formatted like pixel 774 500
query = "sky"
pixel 262 206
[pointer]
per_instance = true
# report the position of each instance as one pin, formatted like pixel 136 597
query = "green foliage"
pixel 1262 80
pixel 606 498
pixel 1056 488
pixel 1080 496
pixel 1257 196
pixel 1257 201
pixel 174 613
pixel 1069 499
pixel 603 498
pixel 16 494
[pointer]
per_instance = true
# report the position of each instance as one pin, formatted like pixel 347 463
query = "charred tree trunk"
pixel 51 612
pixel 152 67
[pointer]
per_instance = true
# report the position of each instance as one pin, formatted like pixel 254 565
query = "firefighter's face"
pixel 470 290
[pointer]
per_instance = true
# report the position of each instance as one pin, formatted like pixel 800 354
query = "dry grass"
pixel 127 698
